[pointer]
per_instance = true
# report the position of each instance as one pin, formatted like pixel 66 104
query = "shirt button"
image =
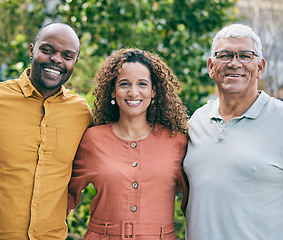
pixel 134 164
pixel 135 185
pixel 133 208
pixel 133 145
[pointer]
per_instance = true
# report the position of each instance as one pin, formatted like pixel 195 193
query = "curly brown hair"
pixel 167 108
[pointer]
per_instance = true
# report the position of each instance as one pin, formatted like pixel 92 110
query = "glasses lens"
pixel 227 56
pixel 245 56
pixel 224 56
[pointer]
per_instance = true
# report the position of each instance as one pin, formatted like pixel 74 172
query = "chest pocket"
pixel 67 141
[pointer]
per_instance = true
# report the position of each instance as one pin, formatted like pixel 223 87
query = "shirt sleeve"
pixel 80 174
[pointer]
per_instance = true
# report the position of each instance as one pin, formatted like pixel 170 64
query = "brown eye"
pixel 143 83
pixel 46 50
pixel 123 84
pixel 68 57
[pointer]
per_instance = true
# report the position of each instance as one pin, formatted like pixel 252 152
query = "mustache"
pixel 52 65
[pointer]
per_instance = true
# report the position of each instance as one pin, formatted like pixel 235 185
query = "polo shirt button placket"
pixel 221 132
pixel 220 140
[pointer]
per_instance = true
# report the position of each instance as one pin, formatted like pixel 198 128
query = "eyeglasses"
pixel 242 56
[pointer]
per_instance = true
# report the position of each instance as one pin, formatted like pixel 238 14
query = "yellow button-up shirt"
pixel 38 140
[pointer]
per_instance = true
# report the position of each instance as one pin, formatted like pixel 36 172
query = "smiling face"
pixel 235 77
pixel 133 90
pixel 54 56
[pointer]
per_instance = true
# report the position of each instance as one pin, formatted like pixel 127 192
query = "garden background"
pixel 179 31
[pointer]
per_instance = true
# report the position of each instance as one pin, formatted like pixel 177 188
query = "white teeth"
pixel 133 102
pixel 234 75
pixel 52 71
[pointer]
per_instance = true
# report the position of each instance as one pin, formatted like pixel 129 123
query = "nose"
pixel 133 91
pixel 234 63
pixel 56 57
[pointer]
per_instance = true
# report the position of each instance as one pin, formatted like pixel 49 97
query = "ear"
pixel 261 67
pixel 31 47
pixel 210 68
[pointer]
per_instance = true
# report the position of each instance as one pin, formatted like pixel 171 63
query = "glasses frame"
pixel 237 54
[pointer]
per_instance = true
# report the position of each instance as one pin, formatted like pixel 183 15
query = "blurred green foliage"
pixel 78 219
pixel 180 31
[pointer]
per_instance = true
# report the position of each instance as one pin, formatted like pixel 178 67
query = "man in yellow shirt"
pixel 41 124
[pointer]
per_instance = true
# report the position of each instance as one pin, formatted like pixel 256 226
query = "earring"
pixel 152 101
pixel 113 101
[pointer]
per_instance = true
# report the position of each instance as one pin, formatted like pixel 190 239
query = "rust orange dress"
pixel 135 182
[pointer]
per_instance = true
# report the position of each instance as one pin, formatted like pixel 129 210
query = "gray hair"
pixel 238 31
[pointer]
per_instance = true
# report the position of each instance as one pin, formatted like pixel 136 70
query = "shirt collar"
pixel 29 90
pixel 214 109
pixel 253 112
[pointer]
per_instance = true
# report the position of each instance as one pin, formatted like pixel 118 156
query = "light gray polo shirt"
pixel 235 171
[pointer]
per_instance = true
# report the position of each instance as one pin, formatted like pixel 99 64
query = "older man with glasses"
pixel 234 161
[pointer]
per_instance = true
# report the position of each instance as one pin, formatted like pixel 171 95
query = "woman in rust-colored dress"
pixel 133 155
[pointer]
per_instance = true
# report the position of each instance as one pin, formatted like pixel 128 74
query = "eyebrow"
pixel 144 79
pixel 126 79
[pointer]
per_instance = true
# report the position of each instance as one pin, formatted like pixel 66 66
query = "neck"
pixel 44 92
pixel 232 106
pixel 132 129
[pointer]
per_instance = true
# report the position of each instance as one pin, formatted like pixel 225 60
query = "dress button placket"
pixel 135 185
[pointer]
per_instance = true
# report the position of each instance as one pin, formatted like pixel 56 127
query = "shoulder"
pixel 273 106
pixel 73 97
pixel 9 84
pixel 276 104
pixel 10 89
pixel 97 131
pixel 164 133
pixel 207 111
pixel 77 102
pixel 23 78
pixel 80 101
pixel 97 136
pixel 210 106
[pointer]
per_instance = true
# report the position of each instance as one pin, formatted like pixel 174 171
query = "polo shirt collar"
pixel 253 112
pixel 29 90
